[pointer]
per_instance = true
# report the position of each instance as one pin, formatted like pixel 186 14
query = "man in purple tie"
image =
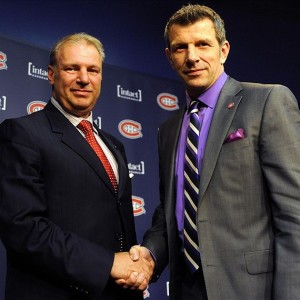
pixel 247 200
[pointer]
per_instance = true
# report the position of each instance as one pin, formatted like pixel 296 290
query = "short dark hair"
pixel 189 14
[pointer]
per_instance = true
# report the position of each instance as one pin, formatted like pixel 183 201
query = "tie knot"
pixel 85 126
pixel 194 106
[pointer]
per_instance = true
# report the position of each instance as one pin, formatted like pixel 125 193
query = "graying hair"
pixel 75 38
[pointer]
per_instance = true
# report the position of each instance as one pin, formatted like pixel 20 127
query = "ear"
pixel 51 74
pixel 224 52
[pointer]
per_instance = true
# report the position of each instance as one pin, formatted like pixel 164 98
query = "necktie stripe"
pixel 191 189
pixel 195 129
pixel 196 247
pixel 191 147
pixel 188 198
pixel 191 183
pixel 191 164
pixel 191 222
pixel 194 264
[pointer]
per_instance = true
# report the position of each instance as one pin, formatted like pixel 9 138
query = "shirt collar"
pixel 73 119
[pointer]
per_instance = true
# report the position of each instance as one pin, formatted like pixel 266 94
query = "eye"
pixel 94 71
pixel 179 48
pixel 70 69
pixel 202 44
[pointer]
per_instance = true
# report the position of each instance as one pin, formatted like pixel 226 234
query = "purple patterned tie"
pixel 191 189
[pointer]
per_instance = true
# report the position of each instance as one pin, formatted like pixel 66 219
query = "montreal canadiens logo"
pixel 138 205
pixel 3 59
pixel 167 101
pixel 130 129
pixel 34 106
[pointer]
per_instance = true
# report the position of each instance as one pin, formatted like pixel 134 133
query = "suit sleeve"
pixel 32 239
pixel 280 162
pixel 156 238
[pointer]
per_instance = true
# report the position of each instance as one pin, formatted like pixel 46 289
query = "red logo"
pixel 167 101
pixel 138 206
pixel 34 106
pixel 130 129
pixel 3 59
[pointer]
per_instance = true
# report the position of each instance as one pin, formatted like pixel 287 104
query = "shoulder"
pixel 261 88
pixel 259 91
pixel 23 122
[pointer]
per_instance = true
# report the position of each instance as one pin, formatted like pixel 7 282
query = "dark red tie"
pixel 87 129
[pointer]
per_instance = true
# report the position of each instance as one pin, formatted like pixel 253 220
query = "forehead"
pixel 185 33
pixel 78 52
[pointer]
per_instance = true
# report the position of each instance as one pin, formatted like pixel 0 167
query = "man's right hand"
pixel 133 270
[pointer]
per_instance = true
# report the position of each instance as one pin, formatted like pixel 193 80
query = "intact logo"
pixel 138 205
pixel 36 72
pixel 130 95
pixel 167 101
pixel 3 59
pixel 137 168
pixel 130 129
pixel 34 106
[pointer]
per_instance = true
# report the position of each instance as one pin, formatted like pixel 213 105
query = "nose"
pixel 83 77
pixel 192 56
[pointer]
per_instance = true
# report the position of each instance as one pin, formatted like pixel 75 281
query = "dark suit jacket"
pixel 59 217
pixel 249 205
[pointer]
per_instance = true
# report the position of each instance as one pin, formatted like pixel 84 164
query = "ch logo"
pixel 3 59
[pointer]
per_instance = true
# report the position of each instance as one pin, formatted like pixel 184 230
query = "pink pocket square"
pixel 238 135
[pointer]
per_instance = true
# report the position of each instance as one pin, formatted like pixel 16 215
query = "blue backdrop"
pixel 264 38
pixel 131 107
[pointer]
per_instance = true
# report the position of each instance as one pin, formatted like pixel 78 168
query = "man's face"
pixel 76 79
pixel 196 55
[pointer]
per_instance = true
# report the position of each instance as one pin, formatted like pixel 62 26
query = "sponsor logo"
pixel 167 286
pixel 3 59
pixel 138 206
pixel 130 95
pixel 130 129
pixel 34 106
pixel 98 122
pixel 167 101
pixel 137 169
pixel 37 72
pixel 146 293
pixel 3 103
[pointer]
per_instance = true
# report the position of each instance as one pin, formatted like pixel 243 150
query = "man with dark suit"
pixel 247 216
pixel 64 223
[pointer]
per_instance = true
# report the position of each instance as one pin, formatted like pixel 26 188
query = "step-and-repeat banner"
pixel 131 107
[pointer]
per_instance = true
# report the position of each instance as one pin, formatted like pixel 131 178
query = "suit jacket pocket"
pixel 259 261
pixel 234 145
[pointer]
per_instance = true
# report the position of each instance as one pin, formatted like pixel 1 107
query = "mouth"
pixel 81 92
pixel 192 73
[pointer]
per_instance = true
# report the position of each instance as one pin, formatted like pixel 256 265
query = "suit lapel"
pixel 122 168
pixel 168 145
pixel 225 110
pixel 73 139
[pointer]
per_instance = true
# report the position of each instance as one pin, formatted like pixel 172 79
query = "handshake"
pixel 133 269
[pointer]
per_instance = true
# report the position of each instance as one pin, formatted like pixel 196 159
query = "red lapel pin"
pixel 230 105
